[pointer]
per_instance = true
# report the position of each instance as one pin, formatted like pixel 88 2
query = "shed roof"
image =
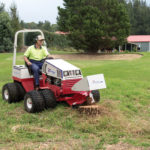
pixel 60 32
pixel 138 38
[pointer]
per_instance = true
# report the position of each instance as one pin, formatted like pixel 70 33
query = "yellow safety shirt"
pixel 36 54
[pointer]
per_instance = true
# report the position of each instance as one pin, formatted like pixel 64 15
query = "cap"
pixel 40 37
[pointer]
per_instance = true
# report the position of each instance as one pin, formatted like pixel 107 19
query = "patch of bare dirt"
pixel 71 144
pixel 67 145
pixel 33 129
pixel 123 146
pixel 98 56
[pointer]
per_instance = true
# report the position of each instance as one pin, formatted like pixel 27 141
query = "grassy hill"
pixel 124 121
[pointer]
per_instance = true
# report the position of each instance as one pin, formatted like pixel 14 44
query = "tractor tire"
pixel 21 91
pixel 33 102
pixel 10 92
pixel 96 95
pixel 49 98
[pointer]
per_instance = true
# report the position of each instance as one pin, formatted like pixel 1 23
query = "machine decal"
pixel 51 71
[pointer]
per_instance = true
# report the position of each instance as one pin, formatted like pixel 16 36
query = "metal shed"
pixel 142 42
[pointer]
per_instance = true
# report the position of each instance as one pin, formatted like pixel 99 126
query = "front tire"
pixel 49 98
pixel 96 95
pixel 33 102
pixel 10 93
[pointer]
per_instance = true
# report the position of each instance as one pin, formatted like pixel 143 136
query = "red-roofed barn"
pixel 142 41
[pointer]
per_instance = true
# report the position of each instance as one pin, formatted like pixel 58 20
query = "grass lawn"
pixel 124 120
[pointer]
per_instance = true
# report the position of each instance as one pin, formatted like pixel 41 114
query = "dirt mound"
pixel 98 56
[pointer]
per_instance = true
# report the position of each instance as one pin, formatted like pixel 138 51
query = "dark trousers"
pixel 36 66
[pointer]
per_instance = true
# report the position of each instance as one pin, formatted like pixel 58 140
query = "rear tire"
pixel 10 92
pixel 33 102
pixel 49 98
pixel 96 95
pixel 21 91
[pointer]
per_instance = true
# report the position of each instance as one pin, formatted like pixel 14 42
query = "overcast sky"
pixel 37 10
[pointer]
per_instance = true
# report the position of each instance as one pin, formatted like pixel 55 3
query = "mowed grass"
pixel 124 118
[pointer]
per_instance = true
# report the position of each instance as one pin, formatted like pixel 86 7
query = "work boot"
pixel 37 87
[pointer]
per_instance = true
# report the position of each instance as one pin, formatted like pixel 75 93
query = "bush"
pixel 6 44
pixel 52 39
pixel 56 40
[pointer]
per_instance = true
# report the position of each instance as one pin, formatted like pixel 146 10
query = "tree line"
pixel 10 24
pixel 138 11
pixel 92 25
pixel 103 24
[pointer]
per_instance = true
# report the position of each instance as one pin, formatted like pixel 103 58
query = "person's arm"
pixel 26 56
pixel 27 61
pixel 47 55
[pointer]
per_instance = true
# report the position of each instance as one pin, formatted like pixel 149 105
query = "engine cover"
pixel 61 69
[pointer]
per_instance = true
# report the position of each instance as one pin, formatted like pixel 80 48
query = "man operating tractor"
pixel 59 80
pixel 34 56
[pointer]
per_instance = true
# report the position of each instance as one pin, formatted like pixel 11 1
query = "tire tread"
pixel 37 101
pixel 49 98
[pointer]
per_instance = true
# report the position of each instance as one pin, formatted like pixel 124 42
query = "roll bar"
pixel 15 40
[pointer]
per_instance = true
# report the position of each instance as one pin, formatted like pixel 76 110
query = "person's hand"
pixel 29 63
pixel 49 57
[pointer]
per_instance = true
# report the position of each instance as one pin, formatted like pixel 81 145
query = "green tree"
pixel 47 26
pixel 5 30
pixel 139 17
pixel 40 24
pixel 54 27
pixel 2 7
pixel 6 44
pixel 15 23
pixel 94 24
